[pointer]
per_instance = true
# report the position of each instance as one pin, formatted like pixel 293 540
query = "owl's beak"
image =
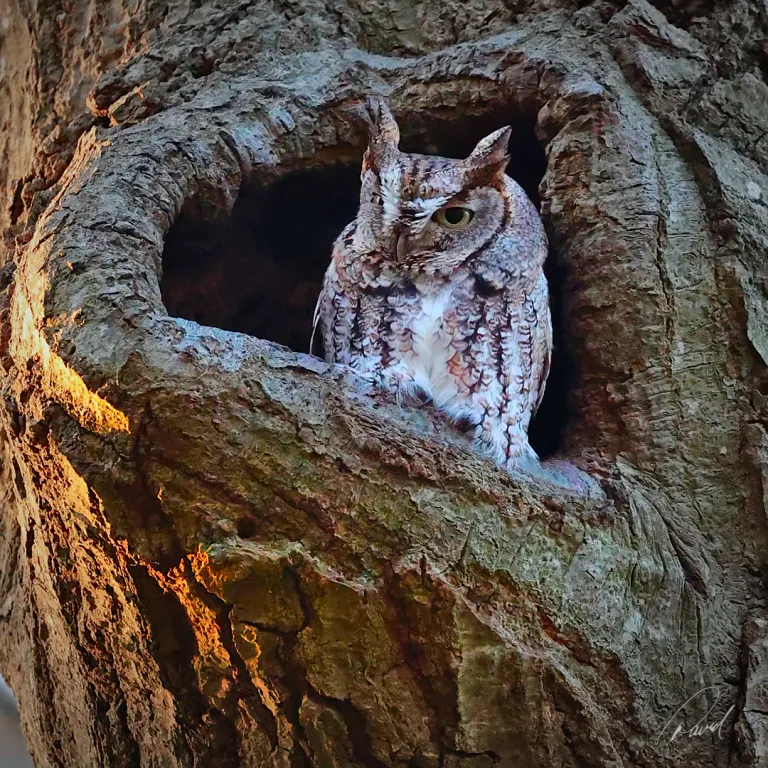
pixel 401 241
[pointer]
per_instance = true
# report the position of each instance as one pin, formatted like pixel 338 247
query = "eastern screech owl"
pixel 437 288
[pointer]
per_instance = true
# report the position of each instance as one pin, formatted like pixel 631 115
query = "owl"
pixel 437 290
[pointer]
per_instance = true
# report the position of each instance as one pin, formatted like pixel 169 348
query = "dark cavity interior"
pixel 260 270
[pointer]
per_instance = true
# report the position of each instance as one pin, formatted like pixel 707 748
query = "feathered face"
pixel 430 213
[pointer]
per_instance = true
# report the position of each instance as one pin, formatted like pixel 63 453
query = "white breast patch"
pixel 428 360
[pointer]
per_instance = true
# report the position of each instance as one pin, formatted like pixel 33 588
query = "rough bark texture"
pixel 215 551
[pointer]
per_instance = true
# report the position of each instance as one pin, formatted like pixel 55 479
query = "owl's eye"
pixel 454 217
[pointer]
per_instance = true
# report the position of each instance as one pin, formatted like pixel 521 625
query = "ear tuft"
pixel 382 125
pixel 492 152
pixel 383 135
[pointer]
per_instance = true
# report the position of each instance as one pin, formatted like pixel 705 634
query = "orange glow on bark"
pixel 212 662
pixel 60 382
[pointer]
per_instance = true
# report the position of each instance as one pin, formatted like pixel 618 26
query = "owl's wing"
pixel 334 315
pixel 337 313
pixel 527 313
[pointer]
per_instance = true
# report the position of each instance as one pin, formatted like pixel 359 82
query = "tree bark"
pixel 217 551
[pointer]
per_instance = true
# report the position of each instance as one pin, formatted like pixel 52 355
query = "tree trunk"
pixel 217 551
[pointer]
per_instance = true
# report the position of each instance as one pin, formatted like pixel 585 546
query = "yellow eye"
pixel 454 217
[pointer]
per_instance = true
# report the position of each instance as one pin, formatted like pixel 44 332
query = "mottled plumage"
pixel 424 303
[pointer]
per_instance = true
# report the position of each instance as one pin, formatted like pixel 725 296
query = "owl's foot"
pixel 396 380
